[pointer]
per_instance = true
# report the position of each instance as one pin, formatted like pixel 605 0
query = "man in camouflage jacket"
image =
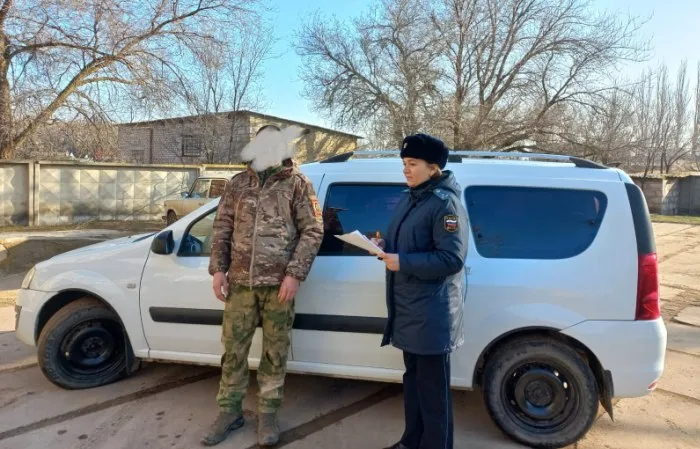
pixel 266 234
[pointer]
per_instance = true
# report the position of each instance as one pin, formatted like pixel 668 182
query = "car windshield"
pixel 200 189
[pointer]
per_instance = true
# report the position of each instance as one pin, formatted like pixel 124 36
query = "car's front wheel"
pixel 540 392
pixel 170 218
pixel 83 345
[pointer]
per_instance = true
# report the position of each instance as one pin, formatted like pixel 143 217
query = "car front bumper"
pixel 29 303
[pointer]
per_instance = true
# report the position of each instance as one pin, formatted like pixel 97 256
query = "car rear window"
pixel 533 223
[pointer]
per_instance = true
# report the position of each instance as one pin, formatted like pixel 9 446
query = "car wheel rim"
pixel 539 396
pixel 92 347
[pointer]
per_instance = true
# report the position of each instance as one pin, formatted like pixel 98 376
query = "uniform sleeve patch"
pixel 317 208
pixel 451 223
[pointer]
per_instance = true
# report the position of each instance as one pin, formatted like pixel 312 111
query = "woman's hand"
pixel 379 242
pixel 391 261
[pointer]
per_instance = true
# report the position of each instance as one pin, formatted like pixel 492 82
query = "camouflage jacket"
pixel 261 235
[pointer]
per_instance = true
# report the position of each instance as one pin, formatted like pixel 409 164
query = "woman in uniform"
pixel 424 251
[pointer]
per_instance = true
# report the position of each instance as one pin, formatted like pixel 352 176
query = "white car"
pixel 562 309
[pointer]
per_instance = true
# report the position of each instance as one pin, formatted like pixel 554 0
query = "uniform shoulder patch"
pixel 441 194
pixel 317 208
pixel 451 223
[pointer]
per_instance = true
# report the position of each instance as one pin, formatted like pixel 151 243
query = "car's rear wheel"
pixel 540 392
pixel 170 217
pixel 83 345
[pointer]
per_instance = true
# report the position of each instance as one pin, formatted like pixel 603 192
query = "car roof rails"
pixel 457 156
pixel 342 157
pixel 577 161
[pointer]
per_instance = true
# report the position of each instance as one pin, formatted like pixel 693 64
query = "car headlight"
pixel 27 282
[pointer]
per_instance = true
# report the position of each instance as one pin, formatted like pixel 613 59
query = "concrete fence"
pixel 50 193
pixel 671 194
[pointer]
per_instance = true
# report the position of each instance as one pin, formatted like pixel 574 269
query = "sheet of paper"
pixel 358 239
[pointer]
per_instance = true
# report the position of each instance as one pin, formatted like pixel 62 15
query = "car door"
pixel 341 308
pixel 217 188
pixel 181 316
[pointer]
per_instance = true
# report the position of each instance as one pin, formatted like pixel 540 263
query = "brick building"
pixel 218 138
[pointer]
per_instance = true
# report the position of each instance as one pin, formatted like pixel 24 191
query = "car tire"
pixel 540 392
pixel 83 345
pixel 171 218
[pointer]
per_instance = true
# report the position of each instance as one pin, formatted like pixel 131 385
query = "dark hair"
pixel 267 126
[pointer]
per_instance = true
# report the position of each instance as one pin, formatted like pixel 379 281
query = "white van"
pixel 562 309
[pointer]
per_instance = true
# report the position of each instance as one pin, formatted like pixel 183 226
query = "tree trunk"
pixel 6 123
pixel 457 119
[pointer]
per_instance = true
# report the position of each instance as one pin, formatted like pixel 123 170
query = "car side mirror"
pixel 184 194
pixel 163 243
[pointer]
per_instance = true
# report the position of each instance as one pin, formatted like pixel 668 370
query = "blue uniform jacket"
pixel 425 298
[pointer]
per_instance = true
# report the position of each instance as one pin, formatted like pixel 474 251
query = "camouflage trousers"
pixel 244 308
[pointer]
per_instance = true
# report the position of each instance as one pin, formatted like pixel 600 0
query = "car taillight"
pixel 648 288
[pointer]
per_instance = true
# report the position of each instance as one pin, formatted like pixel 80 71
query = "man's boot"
pixel 225 423
pixel 268 429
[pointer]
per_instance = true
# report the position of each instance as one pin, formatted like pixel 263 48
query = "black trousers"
pixel 427 402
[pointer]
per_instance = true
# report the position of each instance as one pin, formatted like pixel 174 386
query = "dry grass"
pixel 681 219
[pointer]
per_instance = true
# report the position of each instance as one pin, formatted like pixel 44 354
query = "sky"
pixel 672 26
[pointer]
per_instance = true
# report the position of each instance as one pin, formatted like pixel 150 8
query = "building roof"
pixel 242 112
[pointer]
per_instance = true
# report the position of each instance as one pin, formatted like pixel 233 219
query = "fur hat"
pixel 425 147
pixel 271 146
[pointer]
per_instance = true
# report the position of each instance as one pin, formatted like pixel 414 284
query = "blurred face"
pixel 417 171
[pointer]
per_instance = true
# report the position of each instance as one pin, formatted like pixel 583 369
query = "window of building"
pixel 533 223
pixel 367 208
pixel 137 156
pixel 191 146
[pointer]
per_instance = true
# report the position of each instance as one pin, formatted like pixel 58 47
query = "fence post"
pixel 30 193
pixel 35 193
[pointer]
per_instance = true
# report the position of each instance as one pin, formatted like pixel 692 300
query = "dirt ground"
pixel 678 248
pixel 168 406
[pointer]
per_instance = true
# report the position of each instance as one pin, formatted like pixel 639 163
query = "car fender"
pixel 484 330
pixel 120 293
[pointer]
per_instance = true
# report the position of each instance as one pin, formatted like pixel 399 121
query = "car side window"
pixel 533 223
pixel 217 188
pixel 197 240
pixel 367 208
pixel 200 188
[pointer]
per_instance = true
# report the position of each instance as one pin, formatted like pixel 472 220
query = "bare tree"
pixel 502 65
pixel 679 144
pixel 603 131
pixel 248 51
pixel 61 56
pixel 223 80
pixel 383 64
pixel 75 139
pixel 695 140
